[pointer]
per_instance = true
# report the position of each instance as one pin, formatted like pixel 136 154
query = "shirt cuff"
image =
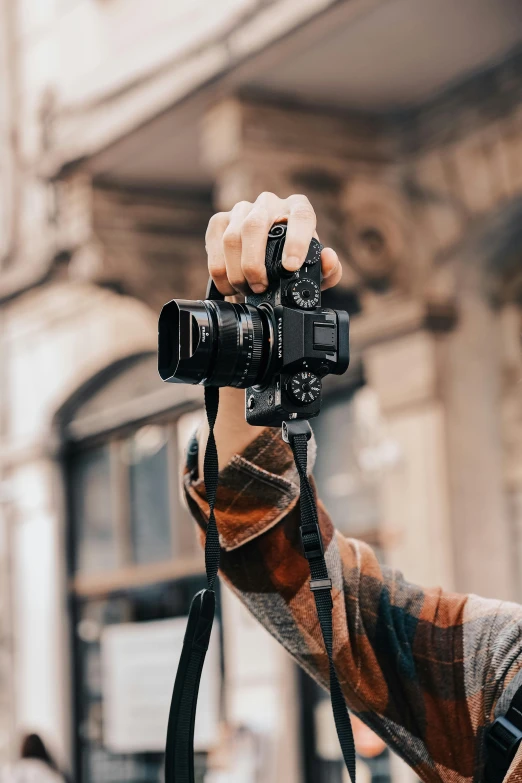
pixel 256 489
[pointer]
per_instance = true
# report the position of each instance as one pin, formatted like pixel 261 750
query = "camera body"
pixel 278 345
pixel 309 341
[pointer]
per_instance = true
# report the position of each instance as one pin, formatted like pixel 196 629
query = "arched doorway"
pixel 133 565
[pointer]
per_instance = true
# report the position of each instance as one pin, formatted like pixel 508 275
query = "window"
pixel 149 511
pixel 96 546
pixel 127 506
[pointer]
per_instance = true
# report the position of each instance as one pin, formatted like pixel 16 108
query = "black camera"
pixel 278 345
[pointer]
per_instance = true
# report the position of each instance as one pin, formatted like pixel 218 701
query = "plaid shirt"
pixel 426 669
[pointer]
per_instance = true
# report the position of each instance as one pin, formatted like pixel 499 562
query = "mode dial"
pixel 304 387
pixel 314 252
pixel 304 293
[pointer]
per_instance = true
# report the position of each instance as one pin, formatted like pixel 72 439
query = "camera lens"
pixel 213 343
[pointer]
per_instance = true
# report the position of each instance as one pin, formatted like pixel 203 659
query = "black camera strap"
pixel 297 433
pixel 503 738
pixel 179 752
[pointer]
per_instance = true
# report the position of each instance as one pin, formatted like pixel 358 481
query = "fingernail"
pixel 257 288
pixel 292 263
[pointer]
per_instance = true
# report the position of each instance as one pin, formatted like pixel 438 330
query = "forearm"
pixel 231 431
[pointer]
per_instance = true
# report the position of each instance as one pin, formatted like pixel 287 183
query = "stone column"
pixel 470 363
pixel 40 607
pixel 70 332
pixel 414 491
pixel 511 334
pixel 7 735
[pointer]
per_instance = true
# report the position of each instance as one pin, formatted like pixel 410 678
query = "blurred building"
pixel 123 126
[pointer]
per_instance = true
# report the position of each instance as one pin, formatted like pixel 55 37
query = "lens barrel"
pixel 212 343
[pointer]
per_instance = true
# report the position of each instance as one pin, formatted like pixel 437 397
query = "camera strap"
pixel 179 752
pixel 297 433
pixel 503 738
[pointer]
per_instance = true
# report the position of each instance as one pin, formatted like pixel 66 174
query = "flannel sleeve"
pixel 426 669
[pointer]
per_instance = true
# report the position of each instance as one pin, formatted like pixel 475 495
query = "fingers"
pixel 330 268
pixel 232 246
pixel 217 226
pixel 300 230
pixel 254 234
pixel 236 243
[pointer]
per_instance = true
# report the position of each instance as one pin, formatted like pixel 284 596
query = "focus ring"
pixel 227 343
pixel 250 349
pixel 239 343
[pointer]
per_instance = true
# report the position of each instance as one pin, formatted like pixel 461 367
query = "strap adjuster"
pixel 312 541
pixel 320 584
pixel 502 739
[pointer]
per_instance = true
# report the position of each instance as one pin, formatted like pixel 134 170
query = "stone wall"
pixel 54 340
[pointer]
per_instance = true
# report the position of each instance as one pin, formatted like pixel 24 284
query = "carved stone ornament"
pixel 376 226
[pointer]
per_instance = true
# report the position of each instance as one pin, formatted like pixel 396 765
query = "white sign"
pixel 139 662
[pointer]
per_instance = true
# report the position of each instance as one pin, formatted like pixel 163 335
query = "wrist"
pixel 231 431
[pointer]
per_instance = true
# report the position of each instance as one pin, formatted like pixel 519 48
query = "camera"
pixel 277 345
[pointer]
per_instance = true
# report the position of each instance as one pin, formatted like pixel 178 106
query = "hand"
pixel 236 243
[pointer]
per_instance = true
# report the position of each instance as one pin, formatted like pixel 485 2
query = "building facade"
pixel 123 127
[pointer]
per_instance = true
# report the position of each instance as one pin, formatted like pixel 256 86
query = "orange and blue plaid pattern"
pixel 426 669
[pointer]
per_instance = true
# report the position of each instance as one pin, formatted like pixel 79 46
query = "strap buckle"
pixel 312 541
pixel 296 427
pixel 320 584
pixel 502 740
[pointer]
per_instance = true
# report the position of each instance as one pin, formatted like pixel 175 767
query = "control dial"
pixel 304 387
pixel 304 293
pixel 314 252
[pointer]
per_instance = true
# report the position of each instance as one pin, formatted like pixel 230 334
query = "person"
pixel 36 764
pixel 427 670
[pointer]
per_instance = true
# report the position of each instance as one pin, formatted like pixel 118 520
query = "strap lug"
pixel 296 427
